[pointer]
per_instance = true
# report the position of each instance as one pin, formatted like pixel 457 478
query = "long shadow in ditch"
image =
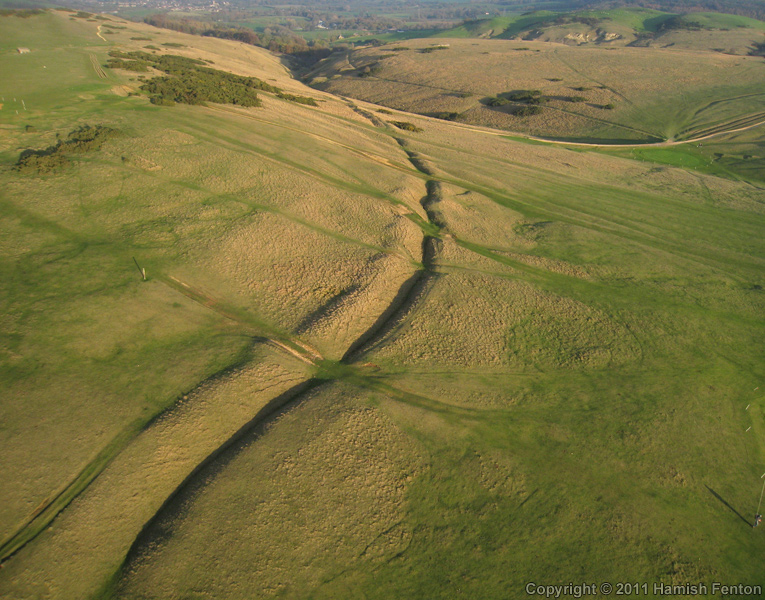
pixel 47 513
pixel 159 527
pixel 414 289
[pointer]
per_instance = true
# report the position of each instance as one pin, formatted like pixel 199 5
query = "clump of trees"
pixel 526 111
pixel 747 8
pixel 758 49
pixel 83 139
pixel 521 103
pixel 201 85
pixel 447 116
pixel 495 101
pixel 23 13
pixel 137 66
pixel 188 81
pixel 276 38
pixel 406 126
pixel 297 99
pixel 370 70
pixel 526 96
pixel 680 22
pixel 430 49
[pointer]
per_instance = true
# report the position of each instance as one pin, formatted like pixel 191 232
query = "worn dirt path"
pixel 97 67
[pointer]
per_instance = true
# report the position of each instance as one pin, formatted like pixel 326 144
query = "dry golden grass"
pixel 183 190
pixel 732 41
pixel 472 216
pixel 329 300
pixel 451 255
pixel 119 354
pixel 226 55
pixel 579 311
pixel 320 492
pixel 76 555
pixel 646 105
pixel 475 320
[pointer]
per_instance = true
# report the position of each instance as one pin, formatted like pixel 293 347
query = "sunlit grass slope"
pixel 221 210
pixel 588 93
pixel 366 362
pixel 627 23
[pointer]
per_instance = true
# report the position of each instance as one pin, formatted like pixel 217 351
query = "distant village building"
pixel 23 50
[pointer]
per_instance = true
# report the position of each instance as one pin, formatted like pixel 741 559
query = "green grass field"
pixel 369 362
pixel 635 19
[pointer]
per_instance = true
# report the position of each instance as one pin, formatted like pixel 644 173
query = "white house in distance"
pixel 23 50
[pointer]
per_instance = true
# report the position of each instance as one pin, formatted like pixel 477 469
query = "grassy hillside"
pixel 703 20
pixel 625 24
pixel 497 26
pixel 373 354
pixel 583 93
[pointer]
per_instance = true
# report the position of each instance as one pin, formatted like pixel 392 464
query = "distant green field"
pixel 734 156
pixel 721 21
pixel 671 156
pixel 687 157
pixel 399 36
pixel 137 13
pixel 259 23
pixel 637 19
pixel 14 5
pixel 640 19
pixel 477 28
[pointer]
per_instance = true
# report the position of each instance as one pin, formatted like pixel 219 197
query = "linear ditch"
pixel 47 512
pixel 418 285
pixel 411 292
pixel 157 528
pixel 60 500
